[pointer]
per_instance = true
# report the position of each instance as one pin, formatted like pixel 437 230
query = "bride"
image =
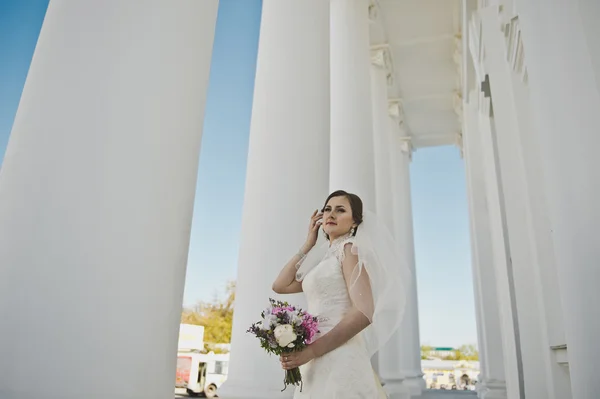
pixel 354 284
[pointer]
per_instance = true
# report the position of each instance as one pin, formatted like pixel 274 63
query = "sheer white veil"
pixel 381 296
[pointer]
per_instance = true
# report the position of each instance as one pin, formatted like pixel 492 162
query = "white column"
pixel 287 176
pixel 565 97
pixel 380 71
pixel 352 164
pixel 390 357
pixel 541 229
pixel 492 380
pixel 380 64
pixel 387 361
pixel 96 198
pixel 509 326
pixel 522 238
pixel 401 358
pixel 409 330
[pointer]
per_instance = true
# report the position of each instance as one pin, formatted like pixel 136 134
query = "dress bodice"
pixel 346 371
pixel 325 287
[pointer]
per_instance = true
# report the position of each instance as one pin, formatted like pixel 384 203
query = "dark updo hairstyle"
pixel 356 205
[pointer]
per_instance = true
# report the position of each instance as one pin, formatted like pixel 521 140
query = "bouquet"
pixel 284 329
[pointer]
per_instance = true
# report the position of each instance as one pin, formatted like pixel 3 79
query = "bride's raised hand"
pixel 316 220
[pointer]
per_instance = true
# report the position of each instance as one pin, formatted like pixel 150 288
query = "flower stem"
pixel 292 377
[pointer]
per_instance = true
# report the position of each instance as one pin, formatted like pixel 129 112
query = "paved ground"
pixel 429 394
pixel 440 394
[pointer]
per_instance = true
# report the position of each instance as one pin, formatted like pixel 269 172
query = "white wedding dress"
pixel 345 372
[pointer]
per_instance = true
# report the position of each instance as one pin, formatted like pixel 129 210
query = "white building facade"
pixel 345 91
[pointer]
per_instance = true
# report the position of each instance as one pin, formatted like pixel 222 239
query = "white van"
pixel 200 373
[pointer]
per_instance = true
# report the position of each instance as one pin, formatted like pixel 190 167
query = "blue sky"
pixel 438 180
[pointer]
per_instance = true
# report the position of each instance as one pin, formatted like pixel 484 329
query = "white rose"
pixel 285 335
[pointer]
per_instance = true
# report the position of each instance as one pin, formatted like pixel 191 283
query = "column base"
pixel 415 385
pixel 396 389
pixel 492 390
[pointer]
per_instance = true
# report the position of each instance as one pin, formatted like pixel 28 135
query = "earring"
pixel 353 230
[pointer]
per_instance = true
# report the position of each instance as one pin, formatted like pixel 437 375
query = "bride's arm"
pixel 286 282
pixel 355 320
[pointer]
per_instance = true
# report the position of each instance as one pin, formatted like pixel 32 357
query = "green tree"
pixel 469 352
pixel 425 350
pixel 216 316
pixel 465 352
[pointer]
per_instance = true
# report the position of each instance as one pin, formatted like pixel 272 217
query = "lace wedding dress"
pixel 346 372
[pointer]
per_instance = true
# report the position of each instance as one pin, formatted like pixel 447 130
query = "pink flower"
pixel 311 327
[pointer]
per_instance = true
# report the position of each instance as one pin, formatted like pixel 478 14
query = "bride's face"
pixel 337 217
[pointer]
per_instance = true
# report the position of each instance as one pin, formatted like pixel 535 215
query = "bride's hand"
pixel 313 230
pixel 296 359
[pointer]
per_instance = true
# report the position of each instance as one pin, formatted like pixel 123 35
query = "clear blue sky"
pixel 439 194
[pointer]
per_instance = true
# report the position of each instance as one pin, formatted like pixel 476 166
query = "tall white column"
pixel 522 238
pixel 390 363
pixel 388 360
pixel 287 176
pixel 352 163
pixel 380 68
pixel 569 150
pixel 96 198
pixel 541 229
pixel 492 381
pixel 380 72
pixel 409 330
pixel 401 358
pixel 509 326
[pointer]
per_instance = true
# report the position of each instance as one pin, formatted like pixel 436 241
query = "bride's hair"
pixel 356 205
